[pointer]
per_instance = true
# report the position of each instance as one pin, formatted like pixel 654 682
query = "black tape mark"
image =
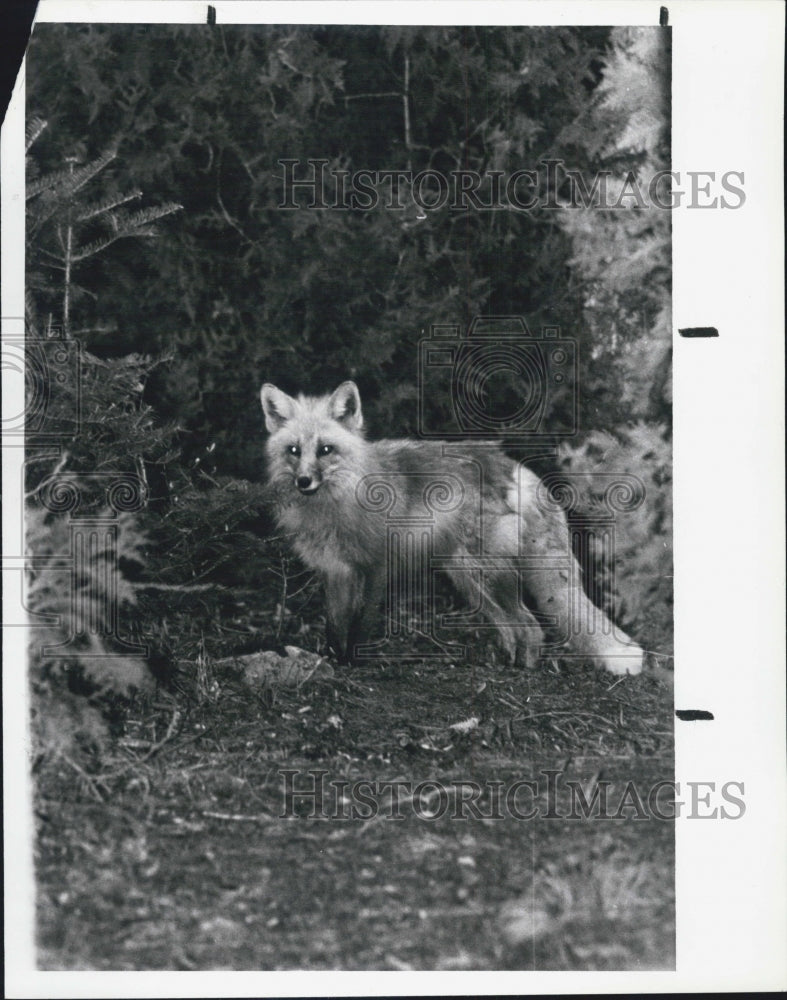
pixel 663 17
pixel 211 15
pixel 693 715
pixel 699 331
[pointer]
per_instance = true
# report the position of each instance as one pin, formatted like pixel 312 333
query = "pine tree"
pixel 67 225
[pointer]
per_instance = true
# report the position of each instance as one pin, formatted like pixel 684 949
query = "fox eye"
pixel 293 449
pixel 325 449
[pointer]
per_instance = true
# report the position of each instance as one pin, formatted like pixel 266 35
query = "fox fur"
pixel 337 493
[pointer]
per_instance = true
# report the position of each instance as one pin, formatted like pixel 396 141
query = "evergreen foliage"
pixel 181 315
pixel 243 290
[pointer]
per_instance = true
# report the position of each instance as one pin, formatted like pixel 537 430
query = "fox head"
pixel 314 442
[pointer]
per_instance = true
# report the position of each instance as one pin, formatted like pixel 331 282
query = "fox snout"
pixel 307 483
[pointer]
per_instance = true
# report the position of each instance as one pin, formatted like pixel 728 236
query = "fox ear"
pixel 277 406
pixel 345 406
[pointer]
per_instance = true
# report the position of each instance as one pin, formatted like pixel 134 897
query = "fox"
pixel 358 510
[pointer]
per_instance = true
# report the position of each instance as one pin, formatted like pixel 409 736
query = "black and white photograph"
pixel 344 547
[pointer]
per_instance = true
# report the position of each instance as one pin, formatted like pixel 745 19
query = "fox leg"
pixel 341 598
pixel 366 616
pixel 353 604
pixel 494 594
pixel 519 630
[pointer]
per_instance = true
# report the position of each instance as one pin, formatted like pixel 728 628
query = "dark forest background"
pixel 156 242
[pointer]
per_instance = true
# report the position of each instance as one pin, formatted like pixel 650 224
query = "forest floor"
pixel 460 849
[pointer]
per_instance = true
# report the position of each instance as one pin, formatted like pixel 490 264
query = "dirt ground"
pixel 188 849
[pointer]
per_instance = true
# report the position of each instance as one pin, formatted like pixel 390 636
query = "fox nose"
pixel 304 483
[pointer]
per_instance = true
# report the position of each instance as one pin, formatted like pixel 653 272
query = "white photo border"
pixel 728 272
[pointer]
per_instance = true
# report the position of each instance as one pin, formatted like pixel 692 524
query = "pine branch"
pixel 91 249
pixel 63 184
pixel 137 224
pixel 147 215
pixel 33 129
pixel 106 205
